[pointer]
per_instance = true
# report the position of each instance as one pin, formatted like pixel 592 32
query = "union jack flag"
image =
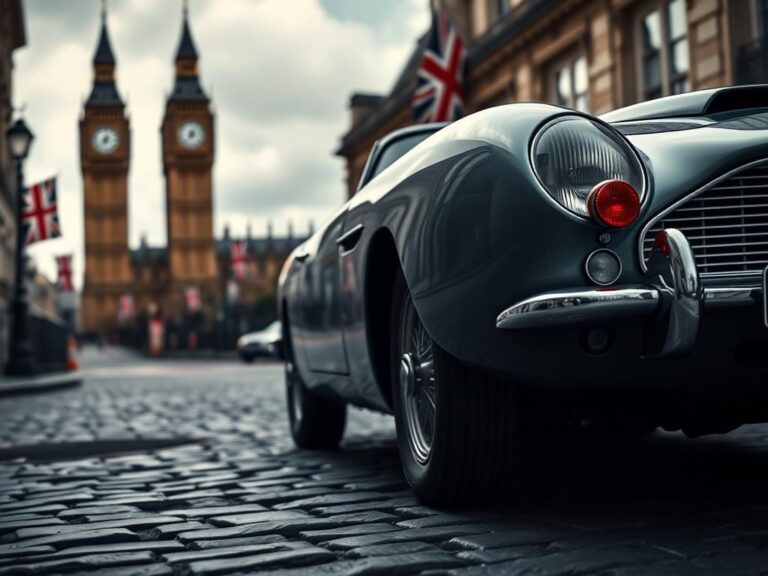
pixel 439 95
pixel 192 296
pixel 238 257
pixel 64 267
pixel 40 216
pixel 125 308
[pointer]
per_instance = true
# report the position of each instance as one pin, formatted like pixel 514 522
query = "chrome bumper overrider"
pixel 671 298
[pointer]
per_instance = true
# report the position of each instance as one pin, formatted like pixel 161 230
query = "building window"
pixel 500 7
pixel 678 47
pixel 570 82
pixel 664 52
pixel 759 14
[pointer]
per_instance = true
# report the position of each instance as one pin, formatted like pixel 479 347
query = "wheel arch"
pixel 382 267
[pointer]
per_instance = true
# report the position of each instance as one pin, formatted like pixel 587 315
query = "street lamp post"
pixel 20 362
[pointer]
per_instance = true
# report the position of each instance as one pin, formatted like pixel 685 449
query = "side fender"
pixel 463 210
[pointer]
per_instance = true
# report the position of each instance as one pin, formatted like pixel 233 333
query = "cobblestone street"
pixel 171 467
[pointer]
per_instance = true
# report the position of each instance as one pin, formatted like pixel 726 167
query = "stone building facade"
pixel 594 55
pixel 157 280
pixel 12 37
pixel 267 254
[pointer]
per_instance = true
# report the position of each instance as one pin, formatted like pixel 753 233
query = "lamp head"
pixel 19 139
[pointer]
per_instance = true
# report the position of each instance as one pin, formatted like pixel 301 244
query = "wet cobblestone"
pixel 237 498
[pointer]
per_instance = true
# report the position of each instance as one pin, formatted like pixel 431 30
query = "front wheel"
pixel 456 427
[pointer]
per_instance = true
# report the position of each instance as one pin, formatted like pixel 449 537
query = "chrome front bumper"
pixel 671 299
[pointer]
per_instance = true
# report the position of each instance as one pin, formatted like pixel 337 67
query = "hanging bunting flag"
pixel 64 268
pixel 192 296
pixel 125 309
pixel 237 255
pixel 40 216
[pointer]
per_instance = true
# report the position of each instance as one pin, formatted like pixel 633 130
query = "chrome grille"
pixel 727 224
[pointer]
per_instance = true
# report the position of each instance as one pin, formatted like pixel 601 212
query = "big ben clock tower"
pixel 104 156
pixel 188 152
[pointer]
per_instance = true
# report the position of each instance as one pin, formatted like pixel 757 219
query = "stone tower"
pixel 188 153
pixel 105 151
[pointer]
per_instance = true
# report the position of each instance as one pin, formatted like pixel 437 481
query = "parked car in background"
pixel 531 268
pixel 262 344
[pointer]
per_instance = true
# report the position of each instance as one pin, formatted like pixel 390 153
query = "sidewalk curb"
pixel 38 384
pixel 79 450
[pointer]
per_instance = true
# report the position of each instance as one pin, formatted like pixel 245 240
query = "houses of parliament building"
pixel 123 283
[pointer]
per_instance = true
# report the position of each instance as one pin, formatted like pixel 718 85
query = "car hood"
pixel 699 103
pixel 683 159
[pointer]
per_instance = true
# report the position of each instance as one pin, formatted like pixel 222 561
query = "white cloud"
pixel 281 72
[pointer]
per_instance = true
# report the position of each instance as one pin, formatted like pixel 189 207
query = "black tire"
pixel 630 428
pixel 247 358
pixel 316 422
pixel 474 425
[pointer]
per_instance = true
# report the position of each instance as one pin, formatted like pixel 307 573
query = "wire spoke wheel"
pixel 456 426
pixel 417 383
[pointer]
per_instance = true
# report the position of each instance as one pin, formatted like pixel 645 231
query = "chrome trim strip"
pixel 349 237
pixel 730 296
pixel 687 198
pixel 561 308
pixel 730 274
pixel 558 308
pixel 765 296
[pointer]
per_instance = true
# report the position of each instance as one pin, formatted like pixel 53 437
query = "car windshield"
pixel 397 149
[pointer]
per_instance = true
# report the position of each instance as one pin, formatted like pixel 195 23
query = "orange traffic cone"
pixel 71 357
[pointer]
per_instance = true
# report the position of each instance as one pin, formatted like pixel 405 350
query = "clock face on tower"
pixel 191 135
pixel 105 140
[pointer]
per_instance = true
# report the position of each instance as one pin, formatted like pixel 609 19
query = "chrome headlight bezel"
pixel 611 134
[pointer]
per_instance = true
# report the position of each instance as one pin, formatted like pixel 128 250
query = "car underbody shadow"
pixel 608 480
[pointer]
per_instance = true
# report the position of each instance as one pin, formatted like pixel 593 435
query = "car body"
pixel 264 343
pixel 473 225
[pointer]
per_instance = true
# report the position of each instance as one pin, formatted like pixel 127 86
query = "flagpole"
pixel 20 361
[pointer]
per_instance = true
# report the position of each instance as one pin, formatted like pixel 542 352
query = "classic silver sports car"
pixel 264 343
pixel 535 269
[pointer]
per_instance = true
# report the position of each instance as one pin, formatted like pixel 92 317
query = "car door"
pixel 320 300
pixel 362 220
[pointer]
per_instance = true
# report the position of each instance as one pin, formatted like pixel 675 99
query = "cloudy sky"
pixel 280 73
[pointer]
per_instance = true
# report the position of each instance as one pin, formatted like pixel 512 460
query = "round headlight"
pixel 573 154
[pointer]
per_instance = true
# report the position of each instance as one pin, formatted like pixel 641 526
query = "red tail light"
pixel 614 203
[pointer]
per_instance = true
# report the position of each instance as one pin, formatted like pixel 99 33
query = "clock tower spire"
pixel 188 155
pixel 104 159
pixel 104 91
